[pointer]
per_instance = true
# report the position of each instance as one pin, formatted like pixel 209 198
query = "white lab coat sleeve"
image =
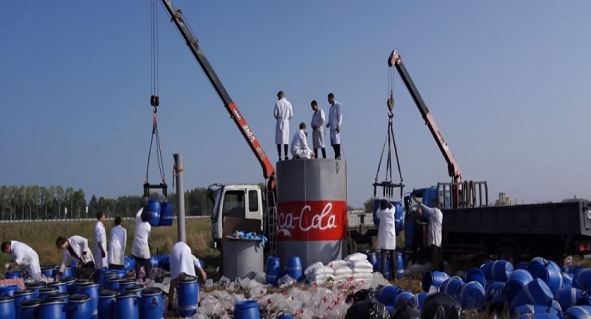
pixel 196 263
pixel 290 110
pixel 322 119
pixel 124 243
pixel 428 210
pixel 276 111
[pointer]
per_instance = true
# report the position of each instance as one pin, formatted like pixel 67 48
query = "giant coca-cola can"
pixel 311 210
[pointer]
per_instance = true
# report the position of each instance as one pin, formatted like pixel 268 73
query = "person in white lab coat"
pixel 182 263
pixel 387 233
pixel 317 124
pixel 100 241
pixel 299 144
pixel 117 245
pixel 335 120
pixel 75 248
pixel 434 230
pixel 22 255
pixel 283 112
pixel 140 249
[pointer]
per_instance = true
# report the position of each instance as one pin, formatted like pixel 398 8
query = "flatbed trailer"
pixel 551 230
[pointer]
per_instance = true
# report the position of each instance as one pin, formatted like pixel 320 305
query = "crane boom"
pixel 452 166
pixel 231 107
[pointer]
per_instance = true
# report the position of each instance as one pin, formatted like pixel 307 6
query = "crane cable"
pixel 390 140
pixel 154 99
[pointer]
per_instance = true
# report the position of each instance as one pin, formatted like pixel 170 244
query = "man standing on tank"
pixel 282 112
pixel 335 120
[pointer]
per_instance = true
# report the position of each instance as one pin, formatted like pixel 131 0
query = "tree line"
pixel 18 202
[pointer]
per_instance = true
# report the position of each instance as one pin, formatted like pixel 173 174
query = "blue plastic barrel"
pixel 126 306
pixel 551 311
pixel 475 274
pixel 7 309
pixel 501 270
pixel 188 296
pixel 548 271
pixel 48 271
pixel 20 296
pixel 453 287
pixel 399 264
pixel 582 279
pixel 273 270
pixel 387 294
pixel 373 259
pixel 294 268
pixel 433 279
pixel 472 295
pixel 119 273
pixel 92 290
pixel 517 281
pixel 79 307
pixel 386 268
pixel 487 269
pixel 113 283
pixel 59 296
pixel 47 291
pixel 247 309
pixel 166 214
pixel 35 286
pixel 68 272
pixel 29 309
pixel 129 263
pixel 52 309
pixel 567 280
pixel 12 274
pixel 569 296
pixel 495 293
pixel 421 297
pixel 399 214
pixel 8 290
pixel 61 286
pixel 284 315
pixel 126 283
pixel 535 292
pixel 521 265
pixel 134 289
pixel 152 304
pixel 153 208
pixel 406 297
pixel 106 304
pixel 578 312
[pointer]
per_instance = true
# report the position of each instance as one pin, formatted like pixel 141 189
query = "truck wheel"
pixel 508 252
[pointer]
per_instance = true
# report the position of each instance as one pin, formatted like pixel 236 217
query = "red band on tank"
pixel 312 220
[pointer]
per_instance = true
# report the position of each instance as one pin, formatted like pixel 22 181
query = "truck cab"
pixel 234 200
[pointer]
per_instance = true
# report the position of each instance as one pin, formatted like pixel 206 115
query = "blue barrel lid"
pixel 115 279
pixel 52 302
pixel 31 303
pixel 152 291
pixel 75 298
pixel 134 288
pixel 127 295
pixel 90 285
pixel 58 296
pixel 35 284
pixel 108 293
pixel 4 299
pixel 48 289
pixel 24 292
pixel 56 284
pixel 68 280
pixel 82 282
pixel 48 266
pixel 188 279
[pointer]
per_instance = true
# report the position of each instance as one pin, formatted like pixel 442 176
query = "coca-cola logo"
pixel 316 220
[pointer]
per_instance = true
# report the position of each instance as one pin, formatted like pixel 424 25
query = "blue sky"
pixel 507 81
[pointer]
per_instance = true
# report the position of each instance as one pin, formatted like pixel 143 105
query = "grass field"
pixel 41 235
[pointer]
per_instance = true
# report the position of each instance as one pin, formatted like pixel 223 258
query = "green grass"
pixel 41 236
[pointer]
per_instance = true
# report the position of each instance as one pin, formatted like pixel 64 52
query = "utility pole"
pixel 180 193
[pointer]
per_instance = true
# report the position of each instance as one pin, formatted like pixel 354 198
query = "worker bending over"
pixel 299 144
pixel 76 248
pixel 182 263
pixel 22 255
